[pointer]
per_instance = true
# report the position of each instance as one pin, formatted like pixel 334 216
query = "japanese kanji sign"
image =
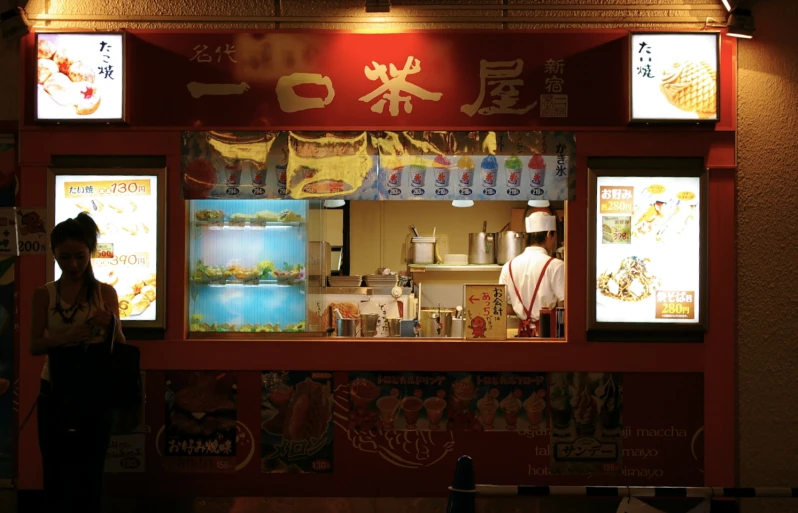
pixel 431 80
pixel 485 312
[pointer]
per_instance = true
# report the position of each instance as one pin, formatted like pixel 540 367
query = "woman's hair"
pixel 81 229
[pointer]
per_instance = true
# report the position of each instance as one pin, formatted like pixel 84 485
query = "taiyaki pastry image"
pixel 692 87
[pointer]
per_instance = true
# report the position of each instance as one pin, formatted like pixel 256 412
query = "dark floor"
pixel 30 502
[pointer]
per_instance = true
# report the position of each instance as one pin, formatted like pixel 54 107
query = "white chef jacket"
pixel 526 270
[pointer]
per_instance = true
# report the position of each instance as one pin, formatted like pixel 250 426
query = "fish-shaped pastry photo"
pixel 692 87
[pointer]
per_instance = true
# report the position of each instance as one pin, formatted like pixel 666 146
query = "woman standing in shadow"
pixel 70 318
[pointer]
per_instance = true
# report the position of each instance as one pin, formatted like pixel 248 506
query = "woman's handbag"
pixel 105 375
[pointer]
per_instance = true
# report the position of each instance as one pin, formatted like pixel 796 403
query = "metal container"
pixel 346 327
pixel 423 250
pixel 481 248
pixel 436 323
pixel 394 327
pixel 508 246
pixel 458 328
pixel 368 324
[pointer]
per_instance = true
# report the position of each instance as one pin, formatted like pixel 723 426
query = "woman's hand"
pixel 102 319
pixel 79 333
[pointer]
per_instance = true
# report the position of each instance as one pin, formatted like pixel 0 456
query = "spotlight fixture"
pixel 378 6
pixel 731 5
pixel 462 203
pixel 538 203
pixel 741 24
pixel 334 203
pixel 14 23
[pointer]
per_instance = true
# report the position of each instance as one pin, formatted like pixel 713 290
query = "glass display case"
pixel 248 265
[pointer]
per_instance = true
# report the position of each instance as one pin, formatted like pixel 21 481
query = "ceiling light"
pixel 741 24
pixel 462 203
pixel 14 23
pixel 378 5
pixel 334 203
pixel 538 203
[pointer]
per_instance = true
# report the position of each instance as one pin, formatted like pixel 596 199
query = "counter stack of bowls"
pixel 344 281
pixel 381 281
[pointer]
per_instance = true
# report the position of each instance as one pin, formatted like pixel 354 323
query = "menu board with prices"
pixel 675 77
pixel 126 209
pixel 80 77
pixel 648 249
pixel 485 312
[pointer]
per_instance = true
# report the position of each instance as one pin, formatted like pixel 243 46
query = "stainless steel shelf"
pixel 421 268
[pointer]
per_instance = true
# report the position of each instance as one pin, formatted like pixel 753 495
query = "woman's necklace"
pixel 67 314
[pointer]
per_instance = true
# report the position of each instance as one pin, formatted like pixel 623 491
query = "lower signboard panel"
pixel 325 433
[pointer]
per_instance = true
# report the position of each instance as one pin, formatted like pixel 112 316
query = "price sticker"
pixel 675 304
pixel 105 250
pixel 616 200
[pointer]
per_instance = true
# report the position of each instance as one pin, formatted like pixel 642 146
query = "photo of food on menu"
pixel 80 76
pixel 586 422
pixel 201 416
pixel 296 427
pixel 648 244
pixel 125 208
pixel 447 401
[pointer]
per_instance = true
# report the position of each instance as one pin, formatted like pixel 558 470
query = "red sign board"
pixel 416 80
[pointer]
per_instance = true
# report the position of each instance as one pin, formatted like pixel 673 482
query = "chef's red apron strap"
pixel 526 327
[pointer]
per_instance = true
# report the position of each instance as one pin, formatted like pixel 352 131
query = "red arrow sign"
pixel 473 299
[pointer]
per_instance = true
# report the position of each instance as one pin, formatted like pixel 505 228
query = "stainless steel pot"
pixel 346 327
pixel 481 248
pixel 508 246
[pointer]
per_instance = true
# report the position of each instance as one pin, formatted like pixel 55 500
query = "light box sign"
pixel 80 77
pixel 648 250
pixel 674 77
pixel 126 209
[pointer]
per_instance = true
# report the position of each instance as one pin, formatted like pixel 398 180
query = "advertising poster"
pixel 674 77
pixel 648 246
pixel 502 401
pixel 32 235
pixel 586 423
pixel 379 165
pixel 201 428
pixel 125 208
pixel 296 422
pixel 7 311
pixel 398 401
pixel 80 77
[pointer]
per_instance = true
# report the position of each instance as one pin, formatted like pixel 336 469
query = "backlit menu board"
pixel 126 210
pixel 80 77
pixel 648 250
pixel 674 77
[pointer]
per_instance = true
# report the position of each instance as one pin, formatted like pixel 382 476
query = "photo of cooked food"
pixel 675 76
pixel 200 414
pixel 692 87
pixel 79 76
pixel 296 427
pixel 655 246
pixel 125 208
pixel 630 282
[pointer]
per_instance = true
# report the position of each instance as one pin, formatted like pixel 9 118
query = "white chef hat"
pixel 540 222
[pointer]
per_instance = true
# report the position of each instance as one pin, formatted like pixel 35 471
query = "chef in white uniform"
pixel 534 278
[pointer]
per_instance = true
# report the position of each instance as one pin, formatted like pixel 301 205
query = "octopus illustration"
pixel 478 327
